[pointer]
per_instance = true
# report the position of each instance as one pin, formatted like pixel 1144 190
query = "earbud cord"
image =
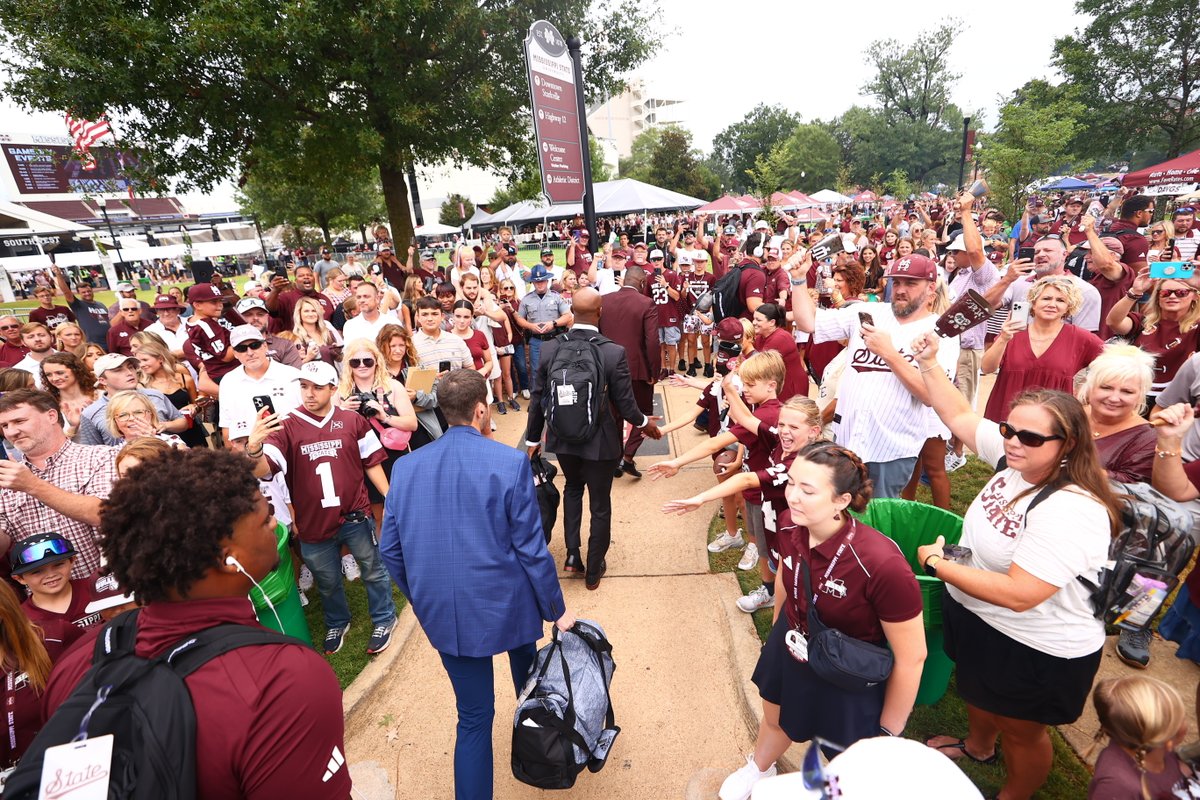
pixel 238 566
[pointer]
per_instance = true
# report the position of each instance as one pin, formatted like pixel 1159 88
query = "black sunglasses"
pixel 248 346
pixel 1027 438
pixel 355 363
pixel 812 771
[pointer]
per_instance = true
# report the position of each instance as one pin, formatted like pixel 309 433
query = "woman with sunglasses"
pixel 399 355
pixel 860 585
pixel 163 372
pixel 1161 234
pixel 366 375
pixel 1168 327
pixel 70 383
pixel 1046 352
pixel 1018 623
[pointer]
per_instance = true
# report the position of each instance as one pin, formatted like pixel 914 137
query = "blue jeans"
pixel 475 698
pixel 324 560
pixel 890 477
pixel 521 379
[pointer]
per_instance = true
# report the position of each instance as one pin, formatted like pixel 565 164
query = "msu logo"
pixel 903 265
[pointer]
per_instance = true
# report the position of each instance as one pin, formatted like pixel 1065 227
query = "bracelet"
pixel 1132 296
pixel 255 454
pixel 1165 453
pixel 929 368
pixel 795 282
pixel 885 731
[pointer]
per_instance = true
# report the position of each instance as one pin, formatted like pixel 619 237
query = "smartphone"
pixel 443 366
pixel 865 318
pixel 1174 270
pixel 956 553
pixel 1025 253
pixel 263 401
pixel 1020 311
pixel 1171 246
pixel 281 270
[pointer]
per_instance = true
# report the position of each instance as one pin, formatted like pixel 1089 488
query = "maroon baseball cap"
pixel 914 266
pixel 1073 199
pixel 730 329
pixel 204 291
pixel 165 301
pixel 639 246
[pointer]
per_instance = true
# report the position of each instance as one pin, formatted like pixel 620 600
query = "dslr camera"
pixel 363 408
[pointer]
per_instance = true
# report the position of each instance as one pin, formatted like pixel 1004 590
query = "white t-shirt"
pixel 1066 536
pixel 32 366
pixel 175 339
pixel 238 391
pixel 360 328
pixel 880 420
pixel 1088 317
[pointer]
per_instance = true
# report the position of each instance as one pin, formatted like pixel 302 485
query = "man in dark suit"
pixel 593 462
pixel 462 538
pixel 630 319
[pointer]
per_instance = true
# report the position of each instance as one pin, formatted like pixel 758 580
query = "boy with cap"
pixel 665 288
pixel 208 340
pixel 56 604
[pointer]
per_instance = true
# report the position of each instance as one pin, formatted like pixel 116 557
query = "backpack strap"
pixel 118 637
pixel 196 650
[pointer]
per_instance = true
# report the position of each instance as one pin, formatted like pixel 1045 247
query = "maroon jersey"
pixel 208 341
pixel 60 630
pixel 1169 346
pixel 695 284
pixel 669 311
pixel 758 447
pixel 52 317
pixel 324 462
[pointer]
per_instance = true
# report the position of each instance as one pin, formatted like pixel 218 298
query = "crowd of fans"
pixel 319 375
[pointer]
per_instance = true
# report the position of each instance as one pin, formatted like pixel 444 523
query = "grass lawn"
pixel 1068 777
pixel 353 657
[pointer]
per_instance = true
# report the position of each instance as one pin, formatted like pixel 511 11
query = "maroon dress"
pixel 1072 350
pixel 1128 455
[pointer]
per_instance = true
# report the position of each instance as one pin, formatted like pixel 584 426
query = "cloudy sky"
pixel 807 57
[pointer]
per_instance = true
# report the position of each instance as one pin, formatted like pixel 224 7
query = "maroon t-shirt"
pixel 287 305
pixel 669 310
pixel 1136 246
pixel 324 463
pixel 778 283
pixel 478 345
pixel 120 333
pixel 52 317
pixel 708 402
pixel 268 717
pixel 1110 292
pixel 758 447
pixel 796 378
pixel 60 630
pixel 869 584
pixel 753 284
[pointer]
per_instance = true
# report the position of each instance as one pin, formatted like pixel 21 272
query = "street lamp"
pixel 122 272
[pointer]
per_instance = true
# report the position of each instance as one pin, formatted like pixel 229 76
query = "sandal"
pixel 961 746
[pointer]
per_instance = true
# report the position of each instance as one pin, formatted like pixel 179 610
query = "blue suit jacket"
pixel 462 537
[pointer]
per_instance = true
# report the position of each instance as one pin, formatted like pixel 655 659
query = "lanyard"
pixel 10 703
pixel 828 570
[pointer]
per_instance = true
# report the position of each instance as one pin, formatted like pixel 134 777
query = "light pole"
pixel 122 271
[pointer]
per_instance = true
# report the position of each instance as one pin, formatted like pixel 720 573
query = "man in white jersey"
pixel 883 411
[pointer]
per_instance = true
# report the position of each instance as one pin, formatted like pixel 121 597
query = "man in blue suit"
pixel 462 537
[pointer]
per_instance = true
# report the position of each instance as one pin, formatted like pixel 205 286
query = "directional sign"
pixel 552 88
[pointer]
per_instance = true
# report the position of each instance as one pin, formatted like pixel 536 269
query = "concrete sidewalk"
pixel 680 646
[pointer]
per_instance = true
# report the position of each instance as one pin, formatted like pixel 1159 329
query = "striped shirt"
pixel 446 347
pixel 877 417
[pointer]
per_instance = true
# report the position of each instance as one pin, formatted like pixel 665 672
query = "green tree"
pixel 1032 141
pixel 306 187
pixel 809 159
pixel 449 213
pixel 738 147
pixel 195 85
pixel 600 170
pixel 527 186
pixel 1136 67
pixel 898 185
pixel 767 179
pixel 637 164
pixel 677 166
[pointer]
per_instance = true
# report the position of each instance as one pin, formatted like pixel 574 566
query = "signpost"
pixel 560 127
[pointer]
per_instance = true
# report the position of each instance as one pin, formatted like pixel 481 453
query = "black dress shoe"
pixel 573 563
pixel 618 472
pixel 708 370
pixel 681 366
pixel 696 363
pixel 630 469
pixel 593 583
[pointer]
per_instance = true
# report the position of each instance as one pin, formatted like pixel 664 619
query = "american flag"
pixel 86 133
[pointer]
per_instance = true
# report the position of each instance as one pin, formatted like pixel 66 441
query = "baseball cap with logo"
pixel 106 593
pixel 914 266
pixel 546 251
pixel 729 230
pixel 684 260
pixel 319 372
pixel 39 550
pixel 700 255
pixel 639 246
pixel 1074 199
pixel 124 287
pixel 1037 220
pixel 245 333
pixel 656 255
pixel 428 255
pixel 729 330
pixel 204 291
pixel 110 361
pixel 249 304
pixel 165 301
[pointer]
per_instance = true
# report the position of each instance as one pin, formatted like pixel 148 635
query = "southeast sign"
pixel 552 89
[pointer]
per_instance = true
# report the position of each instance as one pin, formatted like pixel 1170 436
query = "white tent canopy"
pixel 830 196
pixel 435 229
pixel 624 196
pixel 480 217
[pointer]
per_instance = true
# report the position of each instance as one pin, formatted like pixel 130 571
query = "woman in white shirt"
pixel 1018 623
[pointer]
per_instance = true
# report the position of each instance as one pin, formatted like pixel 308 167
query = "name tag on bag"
pixel 77 770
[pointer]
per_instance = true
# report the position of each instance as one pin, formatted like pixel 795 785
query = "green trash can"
pixel 144 284
pixel 280 587
pixel 910 525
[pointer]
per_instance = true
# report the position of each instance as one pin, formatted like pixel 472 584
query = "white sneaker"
pixel 306 578
pixel 350 567
pixel 525 393
pixel 759 598
pixel 749 557
pixel 725 541
pixel 954 461
pixel 739 785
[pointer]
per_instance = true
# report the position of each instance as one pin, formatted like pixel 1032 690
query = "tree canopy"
pixel 736 148
pixel 456 210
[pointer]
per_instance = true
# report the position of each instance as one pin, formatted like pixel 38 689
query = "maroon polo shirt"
pixel 753 283
pixel 268 717
pixel 10 354
pixel 758 447
pixel 871 583
pixel 119 335
pixel 777 284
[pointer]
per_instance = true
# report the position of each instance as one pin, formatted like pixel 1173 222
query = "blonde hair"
pixel 302 335
pixel 1119 362
pixel 58 342
pixel 941 297
pixel 143 449
pixel 1154 310
pixel 128 399
pixel 1138 713
pixel 156 348
pixel 381 379
pixel 765 365
pixel 806 406
pixel 1060 283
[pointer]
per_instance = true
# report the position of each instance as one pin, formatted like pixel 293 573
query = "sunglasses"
pixel 812 771
pixel 1027 438
pixel 1185 210
pixel 1175 292
pixel 1158 231
pixel 245 347
pixel 355 363
pixel 39 550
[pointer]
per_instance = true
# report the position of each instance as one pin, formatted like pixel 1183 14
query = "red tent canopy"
pixel 781 200
pixel 803 200
pixel 865 196
pixel 1184 169
pixel 723 205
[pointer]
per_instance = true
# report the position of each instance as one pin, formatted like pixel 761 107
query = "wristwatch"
pixel 931 569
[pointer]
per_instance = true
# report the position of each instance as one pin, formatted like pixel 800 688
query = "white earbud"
pixel 231 561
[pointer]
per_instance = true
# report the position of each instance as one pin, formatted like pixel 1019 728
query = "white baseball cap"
pixel 319 372
pixel 110 361
pixel 248 303
pixel 245 333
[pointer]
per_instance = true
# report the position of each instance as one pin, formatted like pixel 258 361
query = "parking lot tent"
pixel 624 196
